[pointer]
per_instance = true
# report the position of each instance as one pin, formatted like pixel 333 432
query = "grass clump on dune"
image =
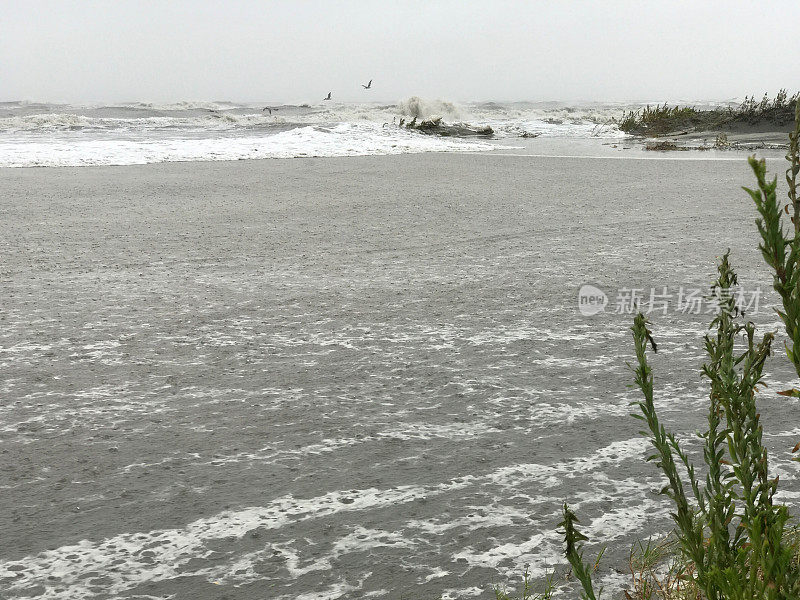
pixel 659 120
pixel 664 120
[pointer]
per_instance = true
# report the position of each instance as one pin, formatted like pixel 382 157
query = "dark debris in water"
pixel 436 126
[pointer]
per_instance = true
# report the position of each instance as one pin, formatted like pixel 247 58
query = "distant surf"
pixel 41 134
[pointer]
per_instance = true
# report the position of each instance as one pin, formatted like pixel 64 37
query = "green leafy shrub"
pixel 574 553
pixel 733 539
pixel 731 535
pixel 781 248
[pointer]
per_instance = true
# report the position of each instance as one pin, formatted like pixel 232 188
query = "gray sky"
pixel 296 51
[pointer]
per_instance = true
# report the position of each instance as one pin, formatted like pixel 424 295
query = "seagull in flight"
pixel 368 86
pixel 267 108
pixel 329 96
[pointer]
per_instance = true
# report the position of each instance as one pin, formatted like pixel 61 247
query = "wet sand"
pixel 739 136
pixel 339 377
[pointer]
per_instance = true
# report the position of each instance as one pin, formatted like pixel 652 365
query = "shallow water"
pixel 347 378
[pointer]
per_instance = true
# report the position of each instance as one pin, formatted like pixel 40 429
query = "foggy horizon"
pixel 239 52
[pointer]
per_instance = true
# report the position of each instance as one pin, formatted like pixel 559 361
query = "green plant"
pixel 574 553
pixel 733 540
pixel 781 249
pixel 728 529
pixel 731 531
pixel 657 572
pixel 526 591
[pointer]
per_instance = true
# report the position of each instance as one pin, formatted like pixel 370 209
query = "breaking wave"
pixel 427 109
pixel 344 139
pixel 40 134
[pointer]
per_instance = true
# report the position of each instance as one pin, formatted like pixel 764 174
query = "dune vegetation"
pixel 657 121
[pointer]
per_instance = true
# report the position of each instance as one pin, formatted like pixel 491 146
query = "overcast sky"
pixel 296 51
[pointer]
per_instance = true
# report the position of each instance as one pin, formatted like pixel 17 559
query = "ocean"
pixel 40 134
pixel 369 373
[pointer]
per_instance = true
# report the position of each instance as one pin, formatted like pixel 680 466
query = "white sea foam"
pixel 129 559
pixel 345 139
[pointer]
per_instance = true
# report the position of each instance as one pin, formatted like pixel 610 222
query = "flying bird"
pixel 270 109
pixel 369 85
pixel 329 96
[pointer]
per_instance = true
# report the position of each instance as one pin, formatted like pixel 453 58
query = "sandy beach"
pixel 345 376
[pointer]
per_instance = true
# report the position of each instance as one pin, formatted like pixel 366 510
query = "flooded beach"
pixel 351 377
